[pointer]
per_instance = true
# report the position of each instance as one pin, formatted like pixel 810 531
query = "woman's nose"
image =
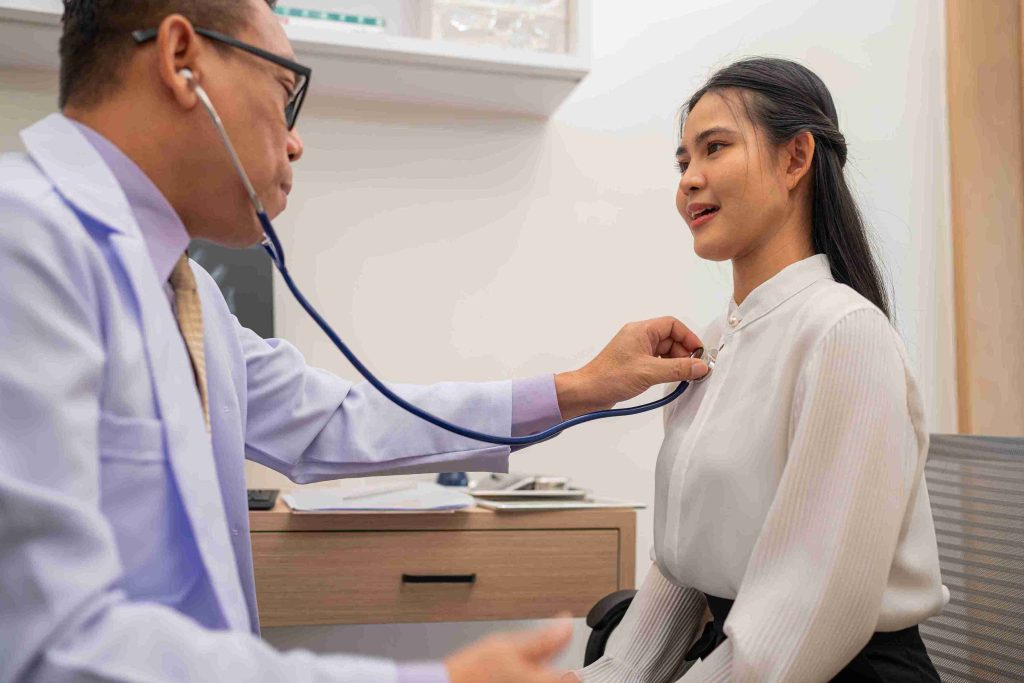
pixel 690 182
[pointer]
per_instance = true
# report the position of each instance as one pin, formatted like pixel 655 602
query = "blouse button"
pixel 733 321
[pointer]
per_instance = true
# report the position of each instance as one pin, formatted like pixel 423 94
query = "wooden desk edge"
pixel 282 518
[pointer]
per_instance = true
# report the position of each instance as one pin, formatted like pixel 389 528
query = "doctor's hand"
pixel 641 355
pixel 511 657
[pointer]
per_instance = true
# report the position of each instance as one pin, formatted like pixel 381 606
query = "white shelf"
pixel 375 67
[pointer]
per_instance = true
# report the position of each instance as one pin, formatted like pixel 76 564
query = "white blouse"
pixel 792 482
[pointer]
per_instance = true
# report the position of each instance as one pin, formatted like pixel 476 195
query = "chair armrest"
pixel 603 617
pixel 608 606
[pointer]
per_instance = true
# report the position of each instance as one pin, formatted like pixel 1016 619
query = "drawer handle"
pixel 438 578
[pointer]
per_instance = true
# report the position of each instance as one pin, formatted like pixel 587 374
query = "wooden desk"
pixel 469 565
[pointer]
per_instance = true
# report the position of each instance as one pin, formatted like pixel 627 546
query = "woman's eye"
pixel 682 165
pixel 714 147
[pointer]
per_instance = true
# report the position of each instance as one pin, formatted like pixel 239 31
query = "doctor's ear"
pixel 178 49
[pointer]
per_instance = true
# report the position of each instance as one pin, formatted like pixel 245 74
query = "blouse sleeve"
pixel 811 594
pixel 649 643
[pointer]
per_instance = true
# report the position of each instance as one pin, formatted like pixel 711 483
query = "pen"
pixel 378 490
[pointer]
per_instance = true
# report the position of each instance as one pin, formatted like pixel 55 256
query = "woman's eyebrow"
pixel 704 135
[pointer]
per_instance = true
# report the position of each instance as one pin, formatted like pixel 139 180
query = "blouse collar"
pixel 782 286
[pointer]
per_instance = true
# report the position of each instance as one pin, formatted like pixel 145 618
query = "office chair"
pixel 976 488
pixel 602 619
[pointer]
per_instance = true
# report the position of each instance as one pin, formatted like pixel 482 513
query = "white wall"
pixel 450 246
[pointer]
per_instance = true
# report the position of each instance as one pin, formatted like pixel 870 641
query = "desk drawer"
pixel 413 576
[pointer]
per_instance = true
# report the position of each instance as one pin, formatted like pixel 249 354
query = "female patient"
pixel 790 507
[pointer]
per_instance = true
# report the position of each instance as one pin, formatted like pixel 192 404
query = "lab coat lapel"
pixel 77 171
pixel 82 178
pixel 188 445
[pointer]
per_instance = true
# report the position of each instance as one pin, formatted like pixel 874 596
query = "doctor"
pixel 129 395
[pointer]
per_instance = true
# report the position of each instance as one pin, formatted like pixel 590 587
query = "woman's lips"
pixel 702 219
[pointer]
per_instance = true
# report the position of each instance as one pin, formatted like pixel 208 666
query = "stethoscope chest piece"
pixel 709 357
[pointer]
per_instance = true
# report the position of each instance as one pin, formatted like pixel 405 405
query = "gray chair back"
pixel 976 487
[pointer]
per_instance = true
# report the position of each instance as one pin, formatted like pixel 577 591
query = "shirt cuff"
pixel 716 667
pixel 423 672
pixel 534 405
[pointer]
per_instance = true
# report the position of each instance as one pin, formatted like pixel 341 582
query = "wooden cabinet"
pixel 351 568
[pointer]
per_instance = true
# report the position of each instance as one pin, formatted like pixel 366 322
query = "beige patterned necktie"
pixel 189 313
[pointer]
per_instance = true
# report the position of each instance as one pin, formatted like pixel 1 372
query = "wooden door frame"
pixel 985 62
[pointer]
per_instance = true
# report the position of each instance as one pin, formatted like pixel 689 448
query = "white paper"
pixel 425 496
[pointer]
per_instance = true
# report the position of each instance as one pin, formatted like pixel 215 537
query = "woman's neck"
pixel 757 267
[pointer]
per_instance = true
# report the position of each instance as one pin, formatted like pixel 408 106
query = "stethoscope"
pixel 273 247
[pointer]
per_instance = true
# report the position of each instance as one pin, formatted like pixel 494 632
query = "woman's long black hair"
pixel 785 99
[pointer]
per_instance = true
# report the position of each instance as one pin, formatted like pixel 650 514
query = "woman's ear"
pixel 799 153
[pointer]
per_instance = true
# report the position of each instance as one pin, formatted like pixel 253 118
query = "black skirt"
pixel 889 657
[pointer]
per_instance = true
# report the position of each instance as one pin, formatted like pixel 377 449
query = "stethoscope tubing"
pixel 277 255
pixel 273 247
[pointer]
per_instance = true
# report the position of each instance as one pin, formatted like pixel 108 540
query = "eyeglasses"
pixel 302 73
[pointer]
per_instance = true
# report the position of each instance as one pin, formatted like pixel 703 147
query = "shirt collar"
pixel 785 284
pixel 162 231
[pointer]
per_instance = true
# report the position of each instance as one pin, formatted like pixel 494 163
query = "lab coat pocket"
pixel 130 438
pixel 138 500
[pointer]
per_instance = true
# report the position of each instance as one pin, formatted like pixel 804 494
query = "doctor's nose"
pixel 295 146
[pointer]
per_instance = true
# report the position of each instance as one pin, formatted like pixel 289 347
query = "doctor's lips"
pixel 699 214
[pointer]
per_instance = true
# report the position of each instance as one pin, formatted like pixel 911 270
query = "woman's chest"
pixel 733 430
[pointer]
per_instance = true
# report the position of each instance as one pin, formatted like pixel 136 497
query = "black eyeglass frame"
pixel 304 73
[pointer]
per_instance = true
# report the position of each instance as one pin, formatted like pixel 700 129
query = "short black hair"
pixel 96 38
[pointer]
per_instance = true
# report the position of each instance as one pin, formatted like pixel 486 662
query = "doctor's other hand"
pixel 641 355
pixel 511 657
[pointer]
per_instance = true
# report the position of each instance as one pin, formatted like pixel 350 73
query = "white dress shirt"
pixel 792 482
